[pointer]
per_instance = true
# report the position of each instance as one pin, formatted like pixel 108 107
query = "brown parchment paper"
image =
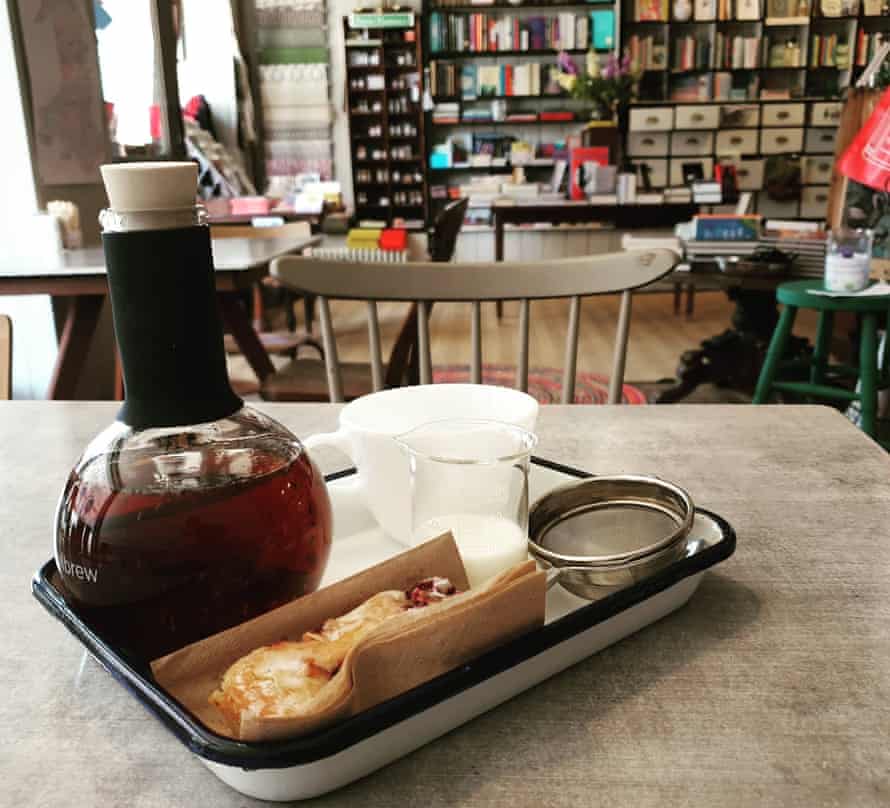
pixel 402 653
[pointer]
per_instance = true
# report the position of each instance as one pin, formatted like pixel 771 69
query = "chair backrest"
pixel 5 357
pixel 445 230
pixel 289 230
pixel 474 282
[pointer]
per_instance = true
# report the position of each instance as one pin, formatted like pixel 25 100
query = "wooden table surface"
pixel 81 275
pixel 770 688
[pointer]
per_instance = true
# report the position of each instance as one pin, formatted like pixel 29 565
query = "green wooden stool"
pixel 796 295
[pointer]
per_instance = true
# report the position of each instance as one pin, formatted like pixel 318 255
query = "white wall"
pixel 34 335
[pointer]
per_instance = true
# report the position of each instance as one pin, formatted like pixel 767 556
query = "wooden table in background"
pixel 80 276
pixel 771 688
pixel 627 217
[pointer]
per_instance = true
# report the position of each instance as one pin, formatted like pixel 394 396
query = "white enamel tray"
pixel 314 765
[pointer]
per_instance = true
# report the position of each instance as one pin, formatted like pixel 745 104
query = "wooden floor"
pixel 657 338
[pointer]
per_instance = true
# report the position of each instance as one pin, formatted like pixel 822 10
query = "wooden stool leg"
pixel 822 348
pixel 868 372
pixel 774 355
pixel 690 301
pixel 678 297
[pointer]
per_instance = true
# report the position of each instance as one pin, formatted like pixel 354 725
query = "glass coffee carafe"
pixel 192 512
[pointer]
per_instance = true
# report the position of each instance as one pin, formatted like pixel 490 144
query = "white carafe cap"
pixel 133 187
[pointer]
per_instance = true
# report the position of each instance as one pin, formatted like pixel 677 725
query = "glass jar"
pixel 848 259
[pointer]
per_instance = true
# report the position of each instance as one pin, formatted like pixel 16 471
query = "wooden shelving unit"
pixel 799 127
pixel 535 132
pixel 384 79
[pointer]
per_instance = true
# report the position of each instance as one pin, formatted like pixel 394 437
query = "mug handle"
pixel 350 490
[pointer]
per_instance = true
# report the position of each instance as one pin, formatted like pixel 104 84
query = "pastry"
pixel 292 679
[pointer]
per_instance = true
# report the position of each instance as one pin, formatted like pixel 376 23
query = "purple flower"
pixel 610 70
pixel 565 63
pixel 625 64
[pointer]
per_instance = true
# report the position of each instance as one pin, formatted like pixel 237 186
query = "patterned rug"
pixel 544 384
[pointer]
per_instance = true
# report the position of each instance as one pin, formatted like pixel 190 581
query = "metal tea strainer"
pixel 603 533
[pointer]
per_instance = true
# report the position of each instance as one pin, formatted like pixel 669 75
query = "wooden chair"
pixel 5 357
pixel 307 379
pixel 275 342
pixel 475 283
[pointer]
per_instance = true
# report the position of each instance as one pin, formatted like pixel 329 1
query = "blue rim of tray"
pixel 207 744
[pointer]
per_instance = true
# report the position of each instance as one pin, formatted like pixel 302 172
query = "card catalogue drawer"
pixel 825 113
pixel 821 141
pixel 781 141
pixel 697 117
pixel 647 144
pixel 749 174
pixel 692 143
pixel 658 171
pixel 737 141
pixel 784 114
pixel 814 203
pixel 652 119
pixel 817 170
pixel 739 116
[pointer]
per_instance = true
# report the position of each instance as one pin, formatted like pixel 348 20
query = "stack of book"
pixel 807 244
pixel 446 112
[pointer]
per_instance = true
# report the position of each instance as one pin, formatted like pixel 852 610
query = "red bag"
pixel 867 159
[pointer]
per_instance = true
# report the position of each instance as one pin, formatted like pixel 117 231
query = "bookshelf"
pixel 766 77
pixel 492 80
pixel 384 85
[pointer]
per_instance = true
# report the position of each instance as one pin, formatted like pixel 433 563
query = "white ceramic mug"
pixel 370 424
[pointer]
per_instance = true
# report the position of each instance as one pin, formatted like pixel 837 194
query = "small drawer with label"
pixel 821 141
pixel 678 169
pixel 817 170
pixel 749 173
pixel 691 143
pixel 826 113
pixel 737 141
pixel 651 119
pixel 647 144
pixel 697 117
pixel 658 173
pixel 814 203
pixel 784 114
pixel 781 141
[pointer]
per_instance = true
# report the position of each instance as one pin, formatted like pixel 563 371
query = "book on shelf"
pixel 651 10
pixel 705 10
pixel 747 10
pixel 647 52
pixel 603 22
pixel 692 53
pixel 735 51
pixel 866 46
pixel 872 8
